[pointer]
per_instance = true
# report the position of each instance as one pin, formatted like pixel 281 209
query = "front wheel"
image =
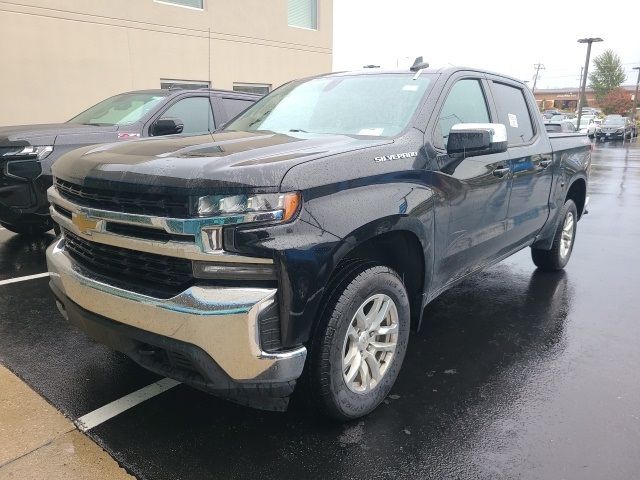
pixel 563 240
pixel 360 343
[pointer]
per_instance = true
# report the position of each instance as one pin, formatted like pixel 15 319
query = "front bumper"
pixel 206 336
pixel 23 200
pixel 610 135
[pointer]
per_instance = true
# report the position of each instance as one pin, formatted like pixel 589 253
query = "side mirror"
pixel 167 126
pixel 472 139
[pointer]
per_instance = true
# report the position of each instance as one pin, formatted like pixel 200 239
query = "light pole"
pixel 635 96
pixel 583 87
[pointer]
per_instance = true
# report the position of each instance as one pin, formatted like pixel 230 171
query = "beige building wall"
pixel 59 57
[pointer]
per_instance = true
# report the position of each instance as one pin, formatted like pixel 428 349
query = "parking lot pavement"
pixel 38 442
pixel 516 374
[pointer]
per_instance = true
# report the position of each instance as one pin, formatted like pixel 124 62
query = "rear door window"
pixel 465 103
pixel 513 113
pixel 235 106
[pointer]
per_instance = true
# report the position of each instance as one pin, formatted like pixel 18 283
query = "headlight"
pixel 39 152
pixel 263 207
pixel 620 130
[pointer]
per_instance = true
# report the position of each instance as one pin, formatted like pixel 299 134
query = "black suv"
pixel 27 152
pixel 615 127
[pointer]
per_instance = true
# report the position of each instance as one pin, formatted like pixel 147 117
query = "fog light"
pixel 233 271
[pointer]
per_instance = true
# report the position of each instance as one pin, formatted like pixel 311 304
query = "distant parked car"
pixel 615 127
pixel 27 152
pixel 587 124
pixel 590 111
pixel 593 126
pixel 564 126
pixel 560 117
pixel 550 113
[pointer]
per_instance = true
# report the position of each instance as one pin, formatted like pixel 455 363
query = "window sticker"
pixel 376 132
pixel 513 120
pixel 410 88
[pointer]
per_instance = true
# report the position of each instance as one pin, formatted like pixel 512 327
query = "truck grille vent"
pixel 140 203
pixel 156 275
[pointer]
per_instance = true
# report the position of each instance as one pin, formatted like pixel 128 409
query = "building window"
pixel 259 88
pixel 167 83
pixel 197 4
pixel 303 13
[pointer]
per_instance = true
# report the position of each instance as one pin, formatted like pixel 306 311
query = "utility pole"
pixel 583 87
pixel 578 107
pixel 635 96
pixel 538 67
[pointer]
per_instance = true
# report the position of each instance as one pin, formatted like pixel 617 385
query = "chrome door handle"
pixel 501 171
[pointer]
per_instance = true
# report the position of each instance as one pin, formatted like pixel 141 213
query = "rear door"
pixel 530 160
pixel 470 219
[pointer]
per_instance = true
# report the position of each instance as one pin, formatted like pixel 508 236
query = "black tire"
pixel 30 229
pixel 326 383
pixel 554 260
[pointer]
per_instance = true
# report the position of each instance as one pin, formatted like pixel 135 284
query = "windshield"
pixel 613 121
pixel 376 105
pixel 122 109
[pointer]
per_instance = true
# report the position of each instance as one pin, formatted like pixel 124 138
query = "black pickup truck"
pixel 304 240
pixel 27 152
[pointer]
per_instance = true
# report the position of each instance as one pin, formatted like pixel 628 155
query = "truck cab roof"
pixel 447 71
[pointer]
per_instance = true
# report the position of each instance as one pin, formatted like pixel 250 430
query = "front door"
pixel 473 197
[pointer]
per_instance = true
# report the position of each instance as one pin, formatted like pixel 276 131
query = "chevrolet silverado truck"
pixel 27 152
pixel 302 242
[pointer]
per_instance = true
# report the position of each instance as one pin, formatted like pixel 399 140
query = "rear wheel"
pixel 30 228
pixel 563 240
pixel 360 343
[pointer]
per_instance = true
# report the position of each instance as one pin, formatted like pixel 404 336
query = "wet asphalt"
pixel 515 374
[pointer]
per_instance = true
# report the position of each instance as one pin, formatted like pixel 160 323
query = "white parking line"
pixel 110 410
pixel 23 279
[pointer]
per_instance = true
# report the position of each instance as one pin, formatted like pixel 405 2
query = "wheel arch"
pixel 576 189
pixel 406 248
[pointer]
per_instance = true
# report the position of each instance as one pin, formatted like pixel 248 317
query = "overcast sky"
pixel 505 36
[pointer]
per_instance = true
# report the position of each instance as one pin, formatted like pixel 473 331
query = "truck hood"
pixel 225 161
pixel 51 134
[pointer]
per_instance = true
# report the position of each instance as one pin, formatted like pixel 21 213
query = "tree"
pixel 617 101
pixel 608 74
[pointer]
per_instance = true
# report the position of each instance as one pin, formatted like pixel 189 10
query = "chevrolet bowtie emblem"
pixel 84 223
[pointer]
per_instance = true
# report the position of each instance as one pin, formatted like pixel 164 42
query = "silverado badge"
pixel 395 156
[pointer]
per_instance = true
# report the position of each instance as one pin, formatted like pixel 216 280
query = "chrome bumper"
pixel 221 321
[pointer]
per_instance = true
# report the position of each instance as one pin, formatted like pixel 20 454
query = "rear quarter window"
pixel 513 113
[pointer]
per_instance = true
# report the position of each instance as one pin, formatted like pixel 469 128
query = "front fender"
pixel 328 228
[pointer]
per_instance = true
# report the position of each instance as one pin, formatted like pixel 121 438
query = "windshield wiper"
pixel 298 130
